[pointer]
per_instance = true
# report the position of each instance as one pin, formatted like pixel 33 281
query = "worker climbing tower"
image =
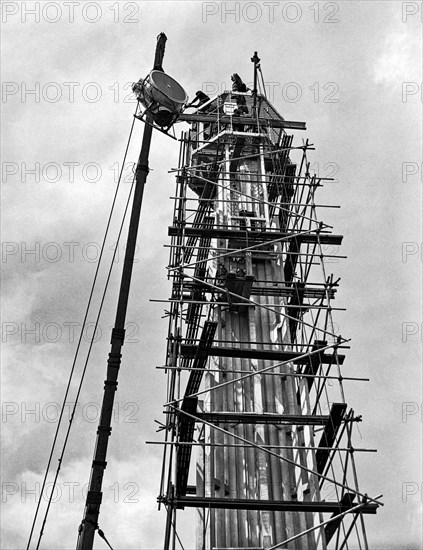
pixel 258 433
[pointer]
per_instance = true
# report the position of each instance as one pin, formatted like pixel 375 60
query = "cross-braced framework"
pixel 254 362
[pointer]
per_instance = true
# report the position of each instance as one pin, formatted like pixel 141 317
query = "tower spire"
pixel 256 60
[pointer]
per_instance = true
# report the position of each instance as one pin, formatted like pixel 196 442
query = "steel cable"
pixel 78 347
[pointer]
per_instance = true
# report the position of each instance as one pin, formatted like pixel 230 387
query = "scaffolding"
pixel 254 363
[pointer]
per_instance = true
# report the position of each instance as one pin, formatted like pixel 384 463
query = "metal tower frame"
pixel 254 365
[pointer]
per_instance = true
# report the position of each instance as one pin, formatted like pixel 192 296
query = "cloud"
pixel 129 514
pixel 399 58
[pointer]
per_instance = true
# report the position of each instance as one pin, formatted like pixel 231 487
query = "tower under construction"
pixel 258 433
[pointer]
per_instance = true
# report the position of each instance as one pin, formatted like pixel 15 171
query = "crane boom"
pixel 89 523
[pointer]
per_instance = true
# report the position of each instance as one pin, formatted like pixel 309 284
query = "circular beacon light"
pixel 162 96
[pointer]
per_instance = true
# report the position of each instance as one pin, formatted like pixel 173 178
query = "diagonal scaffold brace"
pixel 89 524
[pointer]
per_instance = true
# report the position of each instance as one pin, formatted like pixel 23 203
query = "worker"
pixel 238 85
pixel 201 97
pixel 242 109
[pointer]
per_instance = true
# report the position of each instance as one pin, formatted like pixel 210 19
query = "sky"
pixel 353 72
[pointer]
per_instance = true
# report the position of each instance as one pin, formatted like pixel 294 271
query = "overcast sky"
pixel 352 71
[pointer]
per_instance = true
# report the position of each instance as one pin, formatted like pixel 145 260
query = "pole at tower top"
pixel 256 60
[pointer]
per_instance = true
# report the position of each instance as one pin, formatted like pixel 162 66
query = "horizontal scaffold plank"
pixel 190 350
pixel 265 418
pixel 275 291
pixel 255 236
pixel 275 505
pixel 269 290
pixel 274 123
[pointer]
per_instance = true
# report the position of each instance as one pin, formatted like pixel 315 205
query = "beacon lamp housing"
pixel 161 96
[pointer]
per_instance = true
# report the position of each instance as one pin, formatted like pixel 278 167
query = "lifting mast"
pixel 89 524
